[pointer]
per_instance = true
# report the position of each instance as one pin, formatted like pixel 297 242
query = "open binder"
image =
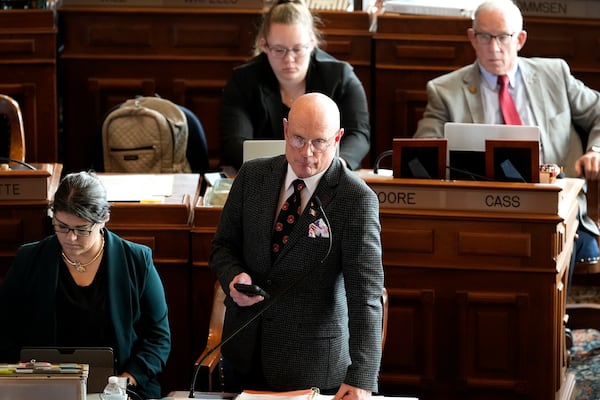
pixel 306 394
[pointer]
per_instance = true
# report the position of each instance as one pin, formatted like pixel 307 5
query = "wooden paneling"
pixel 186 56
pixel 408 52
pixel 28 74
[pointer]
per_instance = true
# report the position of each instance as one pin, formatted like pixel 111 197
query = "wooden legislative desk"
pixel 183 54
pixel 26 219
pixel 410 50
pixel 476 291
pixel 165 228
pixel 108 54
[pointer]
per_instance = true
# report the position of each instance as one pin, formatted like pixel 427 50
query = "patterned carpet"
pixel 585 363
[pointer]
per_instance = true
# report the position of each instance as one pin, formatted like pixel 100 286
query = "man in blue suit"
pixel 544 92
pixel 324 328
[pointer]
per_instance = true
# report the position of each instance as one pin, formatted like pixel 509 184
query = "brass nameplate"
pixel 24 185
pixel 561 8
pixel 468 198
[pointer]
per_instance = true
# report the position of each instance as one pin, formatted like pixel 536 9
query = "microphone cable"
pixel 472 175
pixel 267 305
pixel 22 163
pixel 387 153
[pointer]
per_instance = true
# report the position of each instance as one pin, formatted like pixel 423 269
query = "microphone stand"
pixel 268 305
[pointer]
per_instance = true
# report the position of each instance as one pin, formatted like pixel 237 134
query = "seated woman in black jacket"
pixel 287 64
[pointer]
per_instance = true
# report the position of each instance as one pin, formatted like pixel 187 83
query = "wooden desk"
pixel 165 229
pixel 409 50
pixel 114 53
pixel 23 221
pixel 476 297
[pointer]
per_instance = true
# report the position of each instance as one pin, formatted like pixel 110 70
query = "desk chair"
pixel 215 334
pixel 583 303
pixel 12 134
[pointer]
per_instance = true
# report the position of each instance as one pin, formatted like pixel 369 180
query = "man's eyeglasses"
pixel 318 145
pixel 503 39
pixel 281 52
pixel 78 231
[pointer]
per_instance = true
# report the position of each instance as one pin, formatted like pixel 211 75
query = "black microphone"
pixel 317 200
pixel 267 305
pixel 229 337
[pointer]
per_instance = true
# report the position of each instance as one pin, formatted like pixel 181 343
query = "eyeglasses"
pixel 282 52
pixel 502 39
pixel 318 145
pixel 78 231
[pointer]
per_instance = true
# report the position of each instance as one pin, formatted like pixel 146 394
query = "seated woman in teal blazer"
pixel 85 286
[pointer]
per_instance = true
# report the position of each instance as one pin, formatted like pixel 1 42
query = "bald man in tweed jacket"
pixel 325 331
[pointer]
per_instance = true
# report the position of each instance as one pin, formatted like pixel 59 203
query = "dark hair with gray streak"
pixel 82 194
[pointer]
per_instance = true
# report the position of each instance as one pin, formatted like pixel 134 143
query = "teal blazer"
pixel 136 300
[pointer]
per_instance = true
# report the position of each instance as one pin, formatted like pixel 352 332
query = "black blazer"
pixel 252 106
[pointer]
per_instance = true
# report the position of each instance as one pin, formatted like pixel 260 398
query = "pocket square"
pixel 318 229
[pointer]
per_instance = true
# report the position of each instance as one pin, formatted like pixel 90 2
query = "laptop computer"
pixel 101 361
pixel 466 145
pixel 258 148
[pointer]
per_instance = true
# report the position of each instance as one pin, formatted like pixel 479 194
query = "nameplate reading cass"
pixel 518 198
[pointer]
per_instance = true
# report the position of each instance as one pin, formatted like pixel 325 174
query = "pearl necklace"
pixel 79 267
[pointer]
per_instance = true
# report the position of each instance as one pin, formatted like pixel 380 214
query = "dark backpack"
pixel 145 135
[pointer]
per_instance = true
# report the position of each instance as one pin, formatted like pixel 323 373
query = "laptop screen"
pixel 262 148
pixel 467 143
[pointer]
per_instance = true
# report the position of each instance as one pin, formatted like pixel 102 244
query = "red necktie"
pixel 507 106
pixel 289 214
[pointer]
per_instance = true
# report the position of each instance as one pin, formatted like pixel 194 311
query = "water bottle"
pixel 113 391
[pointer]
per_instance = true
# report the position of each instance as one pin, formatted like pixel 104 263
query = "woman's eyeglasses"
pixel 78 231
pixel 282 52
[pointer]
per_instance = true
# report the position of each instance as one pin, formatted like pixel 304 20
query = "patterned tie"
pixel 289 214
pixel 507 106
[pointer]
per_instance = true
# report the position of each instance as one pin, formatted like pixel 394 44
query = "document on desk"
pixel 139 188
pixel 307 394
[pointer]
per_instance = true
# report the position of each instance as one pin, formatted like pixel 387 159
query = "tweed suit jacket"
pixel 567 112
pixel 252 107
pixel 326 330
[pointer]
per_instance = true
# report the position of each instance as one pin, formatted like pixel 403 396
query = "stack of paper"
pixel 458 8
